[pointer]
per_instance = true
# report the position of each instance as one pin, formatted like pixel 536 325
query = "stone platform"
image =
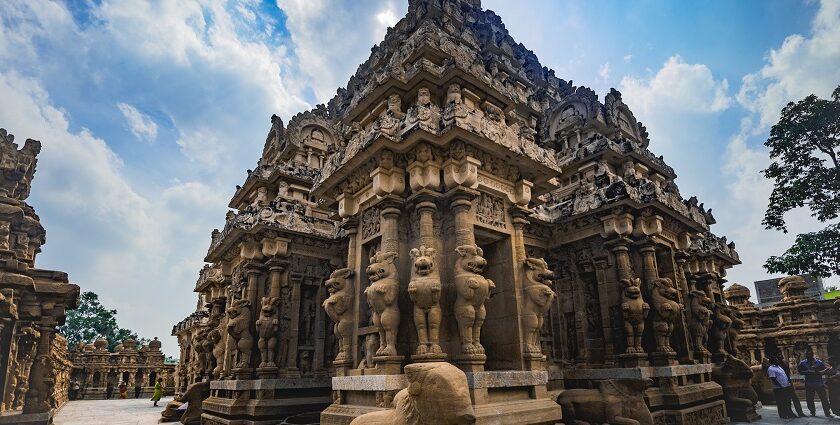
pixel 499 397
pixel 264 401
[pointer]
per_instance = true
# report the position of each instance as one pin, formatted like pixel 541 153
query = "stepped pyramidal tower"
pixel 457 202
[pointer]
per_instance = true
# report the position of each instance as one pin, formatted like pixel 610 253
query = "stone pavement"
pixel 111 412
pixel 770 416
pixel 141 412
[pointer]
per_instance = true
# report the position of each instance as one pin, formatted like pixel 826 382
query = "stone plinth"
pixel 499 397
pixel 672 387
pixel 261 401
pixel 17 418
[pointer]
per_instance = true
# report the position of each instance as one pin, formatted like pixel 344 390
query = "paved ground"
pixel 111 412
pixel 141 412
pixel 769 415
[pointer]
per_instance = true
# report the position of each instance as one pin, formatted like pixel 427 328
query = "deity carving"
pixel 267 326
pixel 472 291
pixel 239 328
pixel 635 310
pixel 285 325
pixel 536 286
pixel 424 290
pixel 664 298
pixel 382 297
pixel 339 308
pixel 424 113
pixel 389 121
pixel 701 319
pixel 307 319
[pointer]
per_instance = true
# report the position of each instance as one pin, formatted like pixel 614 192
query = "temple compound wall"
pixel 34 369
pixel 458 203
pixel 95 368
pixel 788 327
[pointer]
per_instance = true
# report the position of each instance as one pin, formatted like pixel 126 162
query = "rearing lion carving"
pixel 472 289
pixel 382 298
pixel 424 290
pixel 339 307
pixel 536 286
pixel 239 328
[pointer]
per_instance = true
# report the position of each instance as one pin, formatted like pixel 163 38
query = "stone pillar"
pixel 431 319
pixel 351 228
pixel 276 267
pixel 389 225
pixel 291 362
pixel 40 381
pixel 649 268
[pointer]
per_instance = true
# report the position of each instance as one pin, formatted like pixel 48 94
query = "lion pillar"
pixel 382 294
pixel 425 288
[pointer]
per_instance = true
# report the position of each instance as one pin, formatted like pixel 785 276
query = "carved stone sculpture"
pixel 664 298
pixel 267 326
pixel 701 319
pixel 200 357
pixel 218 351
pixel 761 383
pixel 339 307
pixel 424 290
pixel 735 377
pixel 721 327
pixel 536 286
pixel 635 310
pixel 40 383
pixel 239 328
pixel 472 290
pixel 382 297
pixel 437 393
pixel 615 401
pixel 195 396
pixel 737 325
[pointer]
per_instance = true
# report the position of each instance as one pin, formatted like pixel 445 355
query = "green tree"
pixel 805 147
pixel 90 321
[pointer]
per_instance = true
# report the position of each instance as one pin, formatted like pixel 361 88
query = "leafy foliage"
pixel 90 321
pixel 805 146
pixel 816 253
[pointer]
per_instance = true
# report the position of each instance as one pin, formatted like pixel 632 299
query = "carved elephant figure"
pixel 437 393
pixel 339 307
pixel 382 298
pixel 615 401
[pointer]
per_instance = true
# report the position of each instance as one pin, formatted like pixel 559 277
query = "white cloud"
pixel 678 86
pixel 140 124
pixel 627 58
pixel 202 146
pixel 800 66
pixel 604 71
pixel 331 38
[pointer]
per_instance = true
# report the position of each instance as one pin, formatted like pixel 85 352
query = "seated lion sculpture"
pixel 615 401
pixel 437 393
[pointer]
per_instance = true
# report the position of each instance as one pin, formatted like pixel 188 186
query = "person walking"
pixel 137 390
pixel 780 384
pixel 158 391
pixel 109 390
pixel 794 399
pixel 813 370
pixel 123 391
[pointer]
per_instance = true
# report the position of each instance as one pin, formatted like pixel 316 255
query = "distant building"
pixel 768 290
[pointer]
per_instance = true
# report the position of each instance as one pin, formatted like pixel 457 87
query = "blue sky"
pixel 150 112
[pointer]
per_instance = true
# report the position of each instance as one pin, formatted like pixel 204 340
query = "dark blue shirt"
pixel 812 371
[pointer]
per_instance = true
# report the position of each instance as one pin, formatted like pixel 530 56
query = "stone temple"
pixel 457 205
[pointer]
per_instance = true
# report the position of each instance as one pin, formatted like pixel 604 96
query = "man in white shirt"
pixel 782 388
pixel 781 382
